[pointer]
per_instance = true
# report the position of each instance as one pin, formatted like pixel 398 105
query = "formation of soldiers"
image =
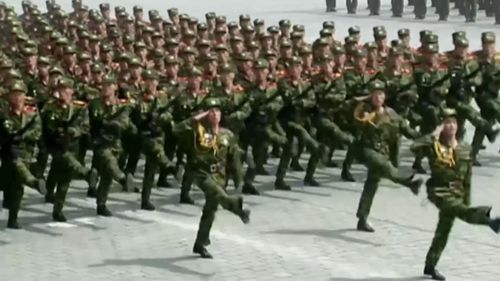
pixel 193 97
pixel 467 8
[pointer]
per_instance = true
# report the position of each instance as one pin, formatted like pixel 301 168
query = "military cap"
pixel 265 35
pixel 119 9
pixel 47 29
pixel 134 61
pixel 30 44
pixel 69 50
pixel 395 43
pixel 337 49
pixel 325 32
pixel 458 34
pixel 261 64
pixel 108 79
pixel 76 2
pixel 378 27
pixel 244 17
pixel 380 34
pixel 137 8
pixel 370 45
pixel 305 50
pixel 448 112
pixel 296 35
pixel 18 87
pixel 488 37
pixel 394 52
pixel 104 6
pixel 299 28
pixel 202 26
pixel 325 58
pixel 203 43
pixel 188 50
pixel 62 41
pixel 220 30
pixel 329 25
pixel 220 47
pixel 43 60
pixel 285 43
pixel 323 42
pixel 295 61
pixel 84 8
pixel 359 53
pixel 354 30
pixel 432 49
pixel 72 23
pixel 96 68
pixel 258 22
pixel 29 51
pixel 245 56
pixel 130 19
pixel 84 56
pixel 149 75
pixel 210 15
pixel 84 35
pixel 124 15
pixel 64 82
pixel 209 58
pixel 252 45
pixel 225 68
pixel 171 60
pixel 376 85
pixel 172 42
pixel 349 40
pixel 285 23
pixel 148 30
pixel 424 33
pixel 22 37
pixel 128 39
pixel 94 38
pixel 173 11
pixel 193 21
pixel 273 29
pixel 232 25
pixel 247 29
pixel 220 19
pixel 173 30
pixel 14 74
pixel 156 34
pixel 462 42
pixel 114 33
pixel 270 53
pixel 194 72
pixel 139 44
pixel 211 102
pixel 431 39
pixel 56 70
pixel 236 39
pixel 189 33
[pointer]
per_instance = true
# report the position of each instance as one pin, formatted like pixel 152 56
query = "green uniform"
pixel 208 155
pixel 449 189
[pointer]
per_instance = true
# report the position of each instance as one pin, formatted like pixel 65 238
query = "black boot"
pixel 433 273
pixel 310 181
pixel 295 165
pixel 363 225
pixel 249 189
pixel 202 251
pixel 162 182
pixel 494 224
pixel 261 171
pixel 148 206
pixel 281 185
pixel 49 198
pixel 477 163
pixel 417 167
pixel 245 216
pixel 12 222
pixel 413 184
pixel 492 135
pixel 102 210
pixel 91 193
pixel 57 215
pixel 347 176
pixel 186 199
pixel 127 182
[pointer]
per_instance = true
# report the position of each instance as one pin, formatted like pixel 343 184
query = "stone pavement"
pixel 308 233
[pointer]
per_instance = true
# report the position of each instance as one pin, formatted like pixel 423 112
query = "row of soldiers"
pixel 197 96
pixel 467 8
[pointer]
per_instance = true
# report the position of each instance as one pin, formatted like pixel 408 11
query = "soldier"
pixel 449 187
pixel 377 122
pixel 443 9
pixel 352 6
pixel 108 117
pixel 420 9
pixel 469 9
pixel 331 5
pixel 66 120
pixel 298 98
pixel 210 147
pixel 397 7
pixel 374 6
pixel 20 130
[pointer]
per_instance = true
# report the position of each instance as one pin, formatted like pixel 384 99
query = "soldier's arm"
pixel 406 130
pixel 81 126
pixel 422 146
pixel 184 127
pixel 34 133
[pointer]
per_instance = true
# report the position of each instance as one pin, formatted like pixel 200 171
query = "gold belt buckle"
pixel 213 168
pixel 455 185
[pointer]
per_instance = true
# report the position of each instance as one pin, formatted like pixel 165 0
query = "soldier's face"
pixel 172 69
pixel 378 98
pixel 66 95
pixel 295 70
pixel 31 60
pixel 262 74
pixel 214 116
pixel 16 100
pixel 227 78
pixel 109 90
pixel 43 69
pixel 340 59
pixel 450 127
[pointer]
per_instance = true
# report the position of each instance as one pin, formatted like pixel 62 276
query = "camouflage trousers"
pixel 451 204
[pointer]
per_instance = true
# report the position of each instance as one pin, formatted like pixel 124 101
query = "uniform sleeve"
pixel 34 133
pixel 183 128
pixel 422 146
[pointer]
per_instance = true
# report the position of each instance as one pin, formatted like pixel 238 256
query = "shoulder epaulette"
pixel 79 103
pixel 238 88
pixel 30 109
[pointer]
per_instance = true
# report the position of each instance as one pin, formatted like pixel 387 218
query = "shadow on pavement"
pixel 414 278
pixel 338 234
pixel 160 263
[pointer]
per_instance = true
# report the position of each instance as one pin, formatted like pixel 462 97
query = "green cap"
pixel 462 42
pixel 350 40
pixel 403 32
pixel 424 33
pixel 285 43
pixel 261 64
pixel 273 29
pixel 354 30
pixel 285 23
pixel 211 103
pixel 448 112
pixel 203 43
pixel 269 54
pixel 305 50
pixel 245 56
pixel 69 50
pixel 65 83
pixel 29 51
pixel 43 60
pixel 359 53
pixel 370 45
pixel 376 85
pixel 6 64
pixel 171 60
pixel 96 68
pixel 325 32
pixel 380 34
pixel 488 37
pixel 323 42
pixel 140 44
pixel 18 87
pixel 295 61
pixel 329 24
pixel 225 68
pixel 338 49
pixel 172 42
pixel 14 74
pixel 84 56
pixel 296 35
pixel 108 79
pixel 394 52
pixel 432 49
pixel 56 70
pixel 149 75
pixel 458 34
pixel 431 39
pixel 325 58
pixel 134 61
pixel 195 72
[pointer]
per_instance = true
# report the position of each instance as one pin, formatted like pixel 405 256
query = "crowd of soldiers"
pixel 467 8
pixel 193 97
